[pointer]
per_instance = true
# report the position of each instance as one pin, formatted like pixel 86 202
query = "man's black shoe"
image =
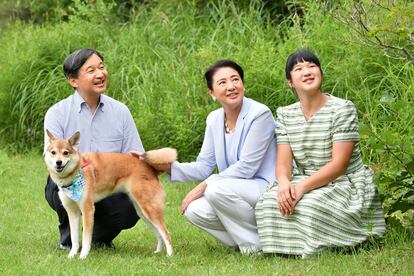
pixel 64 246
pixel 104 245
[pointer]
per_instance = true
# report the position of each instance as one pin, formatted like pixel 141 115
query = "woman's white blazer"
pixel 254 144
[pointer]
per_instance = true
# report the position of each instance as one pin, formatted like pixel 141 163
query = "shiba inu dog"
pixel 84 179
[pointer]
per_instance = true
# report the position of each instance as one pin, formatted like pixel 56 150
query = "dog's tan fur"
pixel 104 174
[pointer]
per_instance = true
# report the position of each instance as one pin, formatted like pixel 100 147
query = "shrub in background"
pixel 386 97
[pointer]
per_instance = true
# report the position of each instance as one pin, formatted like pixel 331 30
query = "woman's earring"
pixel 214 98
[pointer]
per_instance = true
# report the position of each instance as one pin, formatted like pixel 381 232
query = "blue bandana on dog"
pixel 75 189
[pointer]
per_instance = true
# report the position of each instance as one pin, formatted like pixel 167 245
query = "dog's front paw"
pixel 72 253
pixel 84 254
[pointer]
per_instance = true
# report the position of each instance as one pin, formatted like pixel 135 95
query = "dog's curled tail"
pixel 160 156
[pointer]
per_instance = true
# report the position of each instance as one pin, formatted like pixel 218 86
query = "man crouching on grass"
pixel 106 125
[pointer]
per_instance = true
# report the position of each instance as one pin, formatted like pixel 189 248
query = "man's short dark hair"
pixel 300 56
pixel 74 61
pixel 220 64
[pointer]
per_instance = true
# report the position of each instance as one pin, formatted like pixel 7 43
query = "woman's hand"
pixel 299 192
pixel 137 154
pixel 286 194
pixel 286 197
pixel 195 193
pixel 159 167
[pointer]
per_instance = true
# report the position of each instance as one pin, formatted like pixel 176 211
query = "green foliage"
pixel 383 24
pixel 52 11
pixel 389 136
pixel 100 12
pixel 55 11
pixel 36 11
pixel 156 63
pixel 387 108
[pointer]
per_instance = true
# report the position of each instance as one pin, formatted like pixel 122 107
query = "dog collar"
pixel 86 163
pixel 75 189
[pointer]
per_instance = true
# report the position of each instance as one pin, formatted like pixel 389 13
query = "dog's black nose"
pixel 59 162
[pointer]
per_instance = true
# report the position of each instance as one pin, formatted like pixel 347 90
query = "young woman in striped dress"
pixel 328 199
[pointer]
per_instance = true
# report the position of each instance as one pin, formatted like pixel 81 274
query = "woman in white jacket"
pixel 240 142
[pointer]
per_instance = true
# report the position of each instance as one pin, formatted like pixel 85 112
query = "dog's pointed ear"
pixel 51 137
pixel 74 140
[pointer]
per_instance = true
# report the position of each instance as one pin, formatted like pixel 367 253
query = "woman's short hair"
pixel 220 64
pixel 300 56
pixel 74 61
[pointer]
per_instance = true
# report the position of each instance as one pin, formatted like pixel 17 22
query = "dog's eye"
pixel 65 153
pixel 53 152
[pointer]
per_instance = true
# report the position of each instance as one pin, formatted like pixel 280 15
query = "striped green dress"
pixel 346 211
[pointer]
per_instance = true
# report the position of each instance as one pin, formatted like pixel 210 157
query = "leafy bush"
pixel 389 137
pixel 386 25
pixel 55 11
pixel 387 131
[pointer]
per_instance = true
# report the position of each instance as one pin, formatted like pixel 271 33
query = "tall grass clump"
pixel 165 85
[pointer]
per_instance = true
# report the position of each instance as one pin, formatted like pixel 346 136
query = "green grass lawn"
pixel 29 238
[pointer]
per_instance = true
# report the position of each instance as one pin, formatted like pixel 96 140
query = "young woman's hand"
pixel 299 192
pixel 195 193
pixel 286 197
